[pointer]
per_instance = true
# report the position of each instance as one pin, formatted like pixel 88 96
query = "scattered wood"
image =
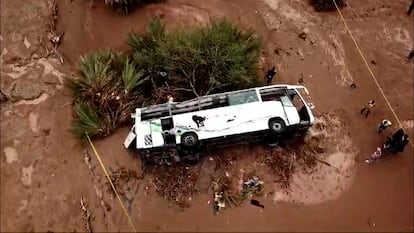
pixel 175 183
pixel 53 37
pixel 95 181
pixel 86 214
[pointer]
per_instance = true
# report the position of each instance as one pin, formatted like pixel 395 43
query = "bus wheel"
pixel 189 139
pixel 277 125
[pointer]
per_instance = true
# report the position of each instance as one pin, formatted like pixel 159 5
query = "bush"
pixel 107 90
pixel 327 5
pixel 126 6
pixel 206 60
pixel 185 64
pixel 87 121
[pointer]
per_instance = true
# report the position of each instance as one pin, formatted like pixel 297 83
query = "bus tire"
pixel 277 125
pixel 189 139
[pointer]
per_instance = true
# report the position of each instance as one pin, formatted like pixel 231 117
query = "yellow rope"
pixel 110 181
pixel 369 68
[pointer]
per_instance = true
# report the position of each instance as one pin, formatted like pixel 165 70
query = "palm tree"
pixel 87 121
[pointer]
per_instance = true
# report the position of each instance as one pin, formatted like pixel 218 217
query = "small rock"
pixel 26 90
pixel 35 56
pixel 26 43
pixel 50 79
pixel 16 37
pixel 303 34
pixel 373 62
pixel 2 97
pixel 300 54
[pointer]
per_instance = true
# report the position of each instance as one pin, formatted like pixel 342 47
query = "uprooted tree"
pixel 185 64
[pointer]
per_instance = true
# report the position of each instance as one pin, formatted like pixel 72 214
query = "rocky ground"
pixel 44 172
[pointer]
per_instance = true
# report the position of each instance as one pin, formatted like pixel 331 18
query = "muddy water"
pixel 380 194
pixel 349 195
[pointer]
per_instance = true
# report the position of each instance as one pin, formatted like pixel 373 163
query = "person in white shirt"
pixel 383 125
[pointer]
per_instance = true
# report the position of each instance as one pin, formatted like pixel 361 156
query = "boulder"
pixel 26 90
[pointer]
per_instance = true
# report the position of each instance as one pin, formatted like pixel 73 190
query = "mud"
pixel 43 175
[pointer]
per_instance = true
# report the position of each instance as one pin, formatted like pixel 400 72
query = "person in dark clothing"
pixel 199 120
pixel 383 125
pixel 401 145
pixel 396 141
pixel 256 203
pixel 411 8
pixel 396 137
pixel 270 74
pixel 411 55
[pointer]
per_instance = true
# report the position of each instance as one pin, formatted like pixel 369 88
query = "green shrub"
pixel 205 60
pixel 185 64
pixel 110 83
pixel 327 5
pixel 87 121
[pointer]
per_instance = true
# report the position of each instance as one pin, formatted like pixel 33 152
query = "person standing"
pixel 367 108
pixel 411 8
pixel 383 125
pixel 270 74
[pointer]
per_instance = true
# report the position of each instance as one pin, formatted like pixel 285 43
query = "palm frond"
pixel 87 121
pixel 132 79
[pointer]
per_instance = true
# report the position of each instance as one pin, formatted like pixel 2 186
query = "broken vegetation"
pixel 174 183
pixel 184 64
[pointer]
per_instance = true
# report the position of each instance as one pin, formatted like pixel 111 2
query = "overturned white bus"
pixel 182 129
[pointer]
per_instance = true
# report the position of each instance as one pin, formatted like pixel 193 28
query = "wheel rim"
pixel 189 140
pixel 277 126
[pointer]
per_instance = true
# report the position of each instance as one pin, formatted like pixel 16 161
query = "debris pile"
pixel 223 196
pixel 54 38
pixel 126 184
pixel 300 154
pixel 251 187
pixel 174 183
pixel 123 179
pixel 281 164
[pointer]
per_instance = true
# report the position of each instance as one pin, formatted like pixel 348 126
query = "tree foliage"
pixel 182 63
pixel 108 88
pixel 205 60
